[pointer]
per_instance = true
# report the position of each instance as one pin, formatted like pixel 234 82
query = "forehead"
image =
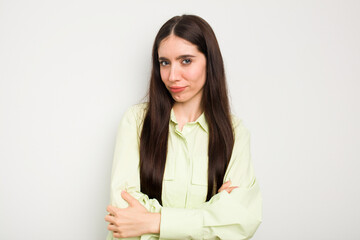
pixel 174 46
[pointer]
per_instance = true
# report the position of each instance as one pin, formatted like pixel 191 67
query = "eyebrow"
pixel 179 57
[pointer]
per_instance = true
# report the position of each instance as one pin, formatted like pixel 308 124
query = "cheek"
pixel 163 75
pixel 197 75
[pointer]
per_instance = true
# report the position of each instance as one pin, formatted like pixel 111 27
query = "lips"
pixel 177 89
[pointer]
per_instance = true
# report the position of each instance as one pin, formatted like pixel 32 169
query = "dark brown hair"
pixel 154 135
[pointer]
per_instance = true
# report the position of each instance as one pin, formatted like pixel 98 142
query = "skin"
pixel 135 220
pixel 132 221
pixel 181 65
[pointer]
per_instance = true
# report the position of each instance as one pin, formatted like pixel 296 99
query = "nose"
pixel 174 73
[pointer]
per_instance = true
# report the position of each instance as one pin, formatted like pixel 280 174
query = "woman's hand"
pixel 132 221
pixel 226 187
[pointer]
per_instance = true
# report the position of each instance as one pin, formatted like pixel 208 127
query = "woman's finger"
pixel 112 210
pixel 222 188
pixel 112 228
pixel 225 185
pixel 129 199
pixel 116 235
pixel 229 189
pixel 110 219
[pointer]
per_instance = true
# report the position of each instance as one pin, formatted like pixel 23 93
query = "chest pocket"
pixel 199 181
pixel 200 171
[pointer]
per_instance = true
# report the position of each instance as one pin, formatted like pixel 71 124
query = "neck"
pixel 187 112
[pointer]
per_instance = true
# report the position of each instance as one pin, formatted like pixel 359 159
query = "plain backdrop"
pixel 69 69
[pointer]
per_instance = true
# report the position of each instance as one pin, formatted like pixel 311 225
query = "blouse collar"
pixel 201 120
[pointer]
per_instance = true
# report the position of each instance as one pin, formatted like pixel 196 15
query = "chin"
pixel 179 99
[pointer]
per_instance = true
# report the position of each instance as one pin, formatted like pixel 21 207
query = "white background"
pixel 69 69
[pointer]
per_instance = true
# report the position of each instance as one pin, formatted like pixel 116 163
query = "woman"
pixel 182 167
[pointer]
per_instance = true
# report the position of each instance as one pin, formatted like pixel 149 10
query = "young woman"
pixel 182 167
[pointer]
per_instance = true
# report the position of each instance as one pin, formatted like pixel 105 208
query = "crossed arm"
pixel 224 216
pixel 136 220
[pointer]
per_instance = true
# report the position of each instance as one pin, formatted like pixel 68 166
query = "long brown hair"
pixel 154 135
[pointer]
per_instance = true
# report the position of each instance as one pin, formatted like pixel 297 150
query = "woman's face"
pixel 182 69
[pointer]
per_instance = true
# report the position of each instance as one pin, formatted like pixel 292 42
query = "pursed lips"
pixel 176 89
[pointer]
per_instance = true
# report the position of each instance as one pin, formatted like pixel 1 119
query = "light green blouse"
pixel 185 214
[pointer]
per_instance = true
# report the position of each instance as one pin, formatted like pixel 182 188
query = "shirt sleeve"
pixel 226 216
pixel 125 168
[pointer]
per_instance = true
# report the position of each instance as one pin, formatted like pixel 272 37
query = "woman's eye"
pixel 186 61
pixel 163 63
